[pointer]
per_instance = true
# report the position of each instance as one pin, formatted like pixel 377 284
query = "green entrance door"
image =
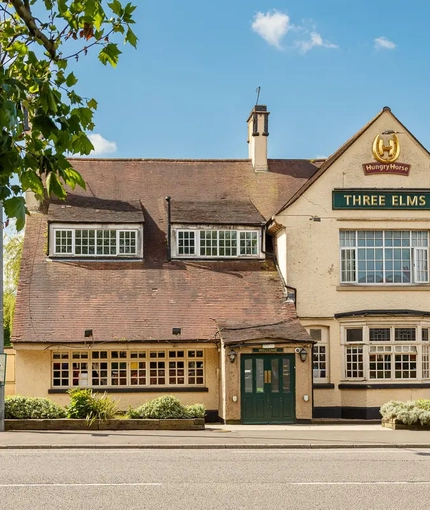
pixel 268 388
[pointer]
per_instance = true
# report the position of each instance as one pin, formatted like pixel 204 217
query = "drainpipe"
pixel 169 253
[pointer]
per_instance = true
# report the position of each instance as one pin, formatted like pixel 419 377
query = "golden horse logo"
pixel 386 153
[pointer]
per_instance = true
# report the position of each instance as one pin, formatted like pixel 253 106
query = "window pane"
pixel 106 242
pixel 63 241
pixel 354 361
pixel 319 358
pixel 354 335
pixel 248 243
pixel 127 242
pixel 248 376
pixel 404 334
pixel 379 334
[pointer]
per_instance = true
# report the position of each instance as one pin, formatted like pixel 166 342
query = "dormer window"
pixel 95 241
pixel 216 243
pixel 213 230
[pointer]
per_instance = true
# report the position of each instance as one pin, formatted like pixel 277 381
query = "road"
pixel 335 479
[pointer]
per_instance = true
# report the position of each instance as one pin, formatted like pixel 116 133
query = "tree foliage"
pixel 12 259
pixel 42 117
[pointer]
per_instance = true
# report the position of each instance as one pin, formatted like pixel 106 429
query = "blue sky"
pixel 325 68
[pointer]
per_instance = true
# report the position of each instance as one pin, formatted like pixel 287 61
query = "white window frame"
pixel 120 230
pixel 133 368
pixel 419 347
pixel 198 240
pixel 419 258
pixel 320 353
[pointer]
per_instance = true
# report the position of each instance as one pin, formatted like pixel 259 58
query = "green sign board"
pixel 417 199
pixel 2 368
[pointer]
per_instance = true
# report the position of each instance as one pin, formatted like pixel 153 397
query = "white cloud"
pixel 272 26
pixel 384 43
pixel 101 145
pixel 314 41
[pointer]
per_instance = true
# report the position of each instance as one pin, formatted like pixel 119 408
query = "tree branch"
pixel 24 12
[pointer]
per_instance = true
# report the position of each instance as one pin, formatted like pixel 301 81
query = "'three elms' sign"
pixel 381 199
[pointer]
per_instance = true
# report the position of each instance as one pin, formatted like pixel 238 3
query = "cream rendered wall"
pixel 10 371
pixel 313 262
pixel 33 378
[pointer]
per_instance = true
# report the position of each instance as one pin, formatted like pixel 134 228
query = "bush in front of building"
pixel 32 408
pixel 87 405
pixel 167 407
pixel 414 412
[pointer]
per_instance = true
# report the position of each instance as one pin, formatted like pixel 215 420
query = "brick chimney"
pixel 258 131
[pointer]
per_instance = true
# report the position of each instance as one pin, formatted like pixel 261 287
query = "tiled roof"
pixel 223 212
pixel 289 330
pixel 144 300
pixel 80 209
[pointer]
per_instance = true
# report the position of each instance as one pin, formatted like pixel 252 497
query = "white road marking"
pixel 362 483
pixel 135 484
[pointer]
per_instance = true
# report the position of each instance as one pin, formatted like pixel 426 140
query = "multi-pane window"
pixel 384 256
pixel 320 354
pixel 387 352
pixel 88 242
pixel 217 243
pixel 100 368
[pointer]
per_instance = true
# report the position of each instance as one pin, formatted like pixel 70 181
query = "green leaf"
pixel 54 186
pixel 30 180
pixel 92 103
pixel 74 178
pixel 71 80
pixel 109 53
pixel 131 38
pixel 15 208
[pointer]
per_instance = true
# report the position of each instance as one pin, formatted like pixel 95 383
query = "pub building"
pixel 270 290
pixel 354 242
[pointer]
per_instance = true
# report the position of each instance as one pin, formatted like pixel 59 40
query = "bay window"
pixel 386 352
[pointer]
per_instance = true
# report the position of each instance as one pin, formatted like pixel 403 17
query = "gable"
pixel 355 164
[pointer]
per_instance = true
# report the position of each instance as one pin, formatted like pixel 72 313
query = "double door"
pixel 267 388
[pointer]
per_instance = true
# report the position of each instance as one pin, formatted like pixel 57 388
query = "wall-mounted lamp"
pixel 232 355
pixel 176 331
pixel 303 354
pixel 88 333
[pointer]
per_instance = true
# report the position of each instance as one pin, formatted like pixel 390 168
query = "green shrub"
pixel 409 413
pixel 195 411
pixel 167 407
pixel 85 404
pixel 28 408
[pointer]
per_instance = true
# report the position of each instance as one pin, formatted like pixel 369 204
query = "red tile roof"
pixel 144 300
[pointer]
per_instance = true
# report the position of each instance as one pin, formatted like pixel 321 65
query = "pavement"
pixel 217 436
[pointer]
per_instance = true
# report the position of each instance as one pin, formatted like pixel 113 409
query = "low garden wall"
pixel 114 424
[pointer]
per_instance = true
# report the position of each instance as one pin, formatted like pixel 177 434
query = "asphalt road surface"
pixel 369 479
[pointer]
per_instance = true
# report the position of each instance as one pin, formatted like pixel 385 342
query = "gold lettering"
pixel 402 200
pixel 381 200
pixel 422 200
pixel 366 200
pixel 356 200
pixel 412 201
pixel 347 197
pixel 374 199
pixel 395 200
